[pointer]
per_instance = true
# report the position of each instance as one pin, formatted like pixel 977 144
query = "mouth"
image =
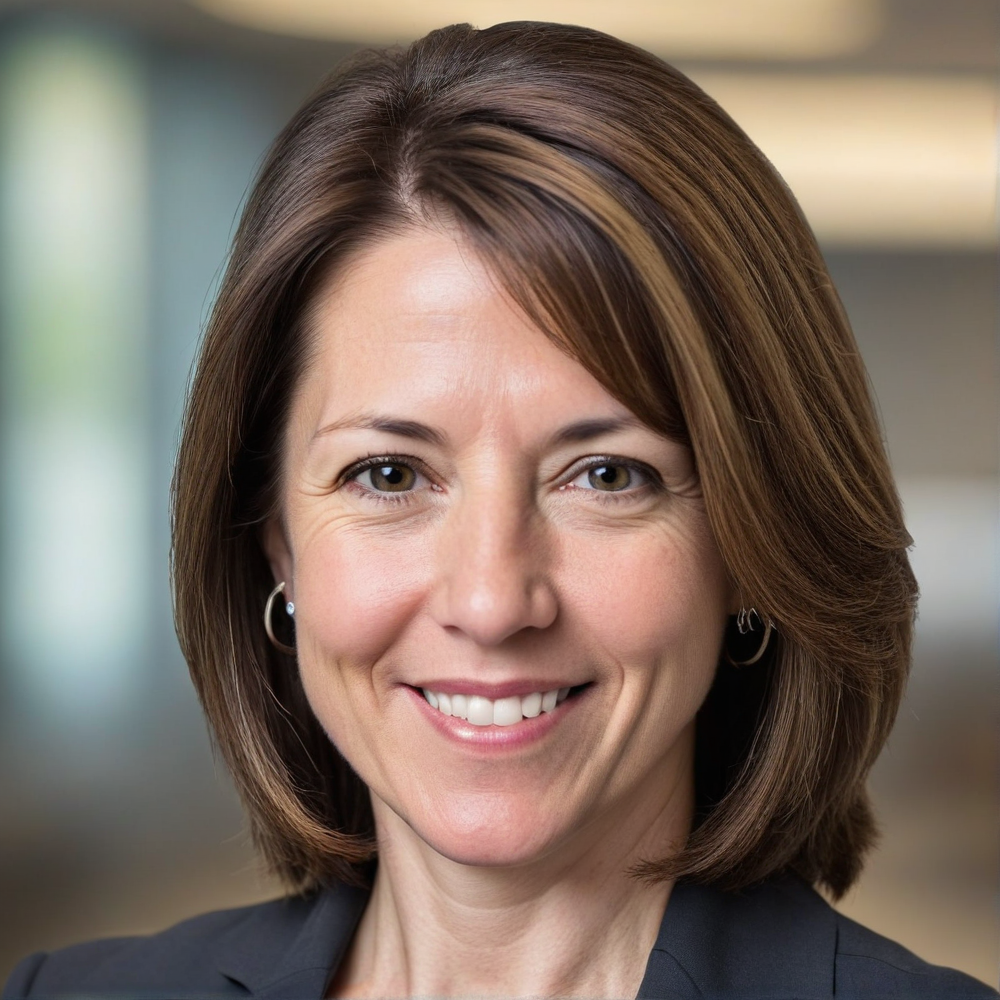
pixel 479 711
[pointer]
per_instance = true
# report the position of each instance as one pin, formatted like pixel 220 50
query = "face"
pixel 508 601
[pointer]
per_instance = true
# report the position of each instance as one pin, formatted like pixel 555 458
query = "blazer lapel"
pixel 777 940
pixel 290 948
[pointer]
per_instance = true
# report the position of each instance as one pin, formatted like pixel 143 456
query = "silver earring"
pixel 747 621
pixel 268 608
pixel 744 623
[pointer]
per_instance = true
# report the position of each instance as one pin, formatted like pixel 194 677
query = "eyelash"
pixel 653 482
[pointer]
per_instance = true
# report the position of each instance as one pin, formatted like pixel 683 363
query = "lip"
pixel 493 738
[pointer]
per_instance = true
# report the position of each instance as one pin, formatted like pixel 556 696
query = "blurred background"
pixel 129 131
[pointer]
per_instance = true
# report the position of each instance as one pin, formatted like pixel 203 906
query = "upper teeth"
pixel 502 712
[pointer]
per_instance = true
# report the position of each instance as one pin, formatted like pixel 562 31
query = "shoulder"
pixel 868 964
pixel 782 939
pixel 179 962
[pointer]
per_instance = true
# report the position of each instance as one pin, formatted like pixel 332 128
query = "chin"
pixel 488 830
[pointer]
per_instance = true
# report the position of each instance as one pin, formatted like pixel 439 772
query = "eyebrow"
pixel 575 433
pixel 585 430
pixel 389 425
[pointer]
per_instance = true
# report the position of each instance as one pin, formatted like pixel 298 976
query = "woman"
pixel 536 555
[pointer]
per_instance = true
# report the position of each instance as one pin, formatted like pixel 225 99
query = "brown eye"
pixel 391 478
pixel 609 477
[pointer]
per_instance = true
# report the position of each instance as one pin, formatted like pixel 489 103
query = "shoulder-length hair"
pixel 638 226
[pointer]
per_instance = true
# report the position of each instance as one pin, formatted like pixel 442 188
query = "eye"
pixel 608 476
pixel 387 476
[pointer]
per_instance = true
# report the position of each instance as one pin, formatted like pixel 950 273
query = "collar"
pixel 775 941
pixel 290 947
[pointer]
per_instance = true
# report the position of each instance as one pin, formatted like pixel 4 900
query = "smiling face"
pixel 471 521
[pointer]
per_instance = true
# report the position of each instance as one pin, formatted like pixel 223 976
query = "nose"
pixel 493 573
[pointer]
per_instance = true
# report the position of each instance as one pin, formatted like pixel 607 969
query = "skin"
pixel 503 870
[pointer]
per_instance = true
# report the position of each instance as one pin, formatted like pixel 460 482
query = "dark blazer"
pixel 780 940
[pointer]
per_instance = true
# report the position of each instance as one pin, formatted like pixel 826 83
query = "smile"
pixel 479 711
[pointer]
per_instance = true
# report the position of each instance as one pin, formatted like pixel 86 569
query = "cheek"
pixel 653 599
pixel 355 594
pixel 655 607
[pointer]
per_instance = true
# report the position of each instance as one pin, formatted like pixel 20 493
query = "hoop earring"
pixel 268 608
pixel 745 625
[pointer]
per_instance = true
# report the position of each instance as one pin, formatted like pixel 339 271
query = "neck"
pixel 572 923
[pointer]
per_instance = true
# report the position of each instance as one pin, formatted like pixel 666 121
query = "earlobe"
pixel 278 554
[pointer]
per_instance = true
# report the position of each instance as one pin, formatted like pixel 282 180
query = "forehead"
pixel 418 320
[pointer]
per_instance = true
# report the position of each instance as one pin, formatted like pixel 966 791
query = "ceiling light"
pixel 877 160
pixel 771 29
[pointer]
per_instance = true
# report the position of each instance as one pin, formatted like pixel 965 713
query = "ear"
pixel 735 601
pixel 279 555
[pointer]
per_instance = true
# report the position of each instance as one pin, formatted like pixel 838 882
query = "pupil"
pixel 614 477
pixel 392 478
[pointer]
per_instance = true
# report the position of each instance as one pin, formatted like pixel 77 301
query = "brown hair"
pixel 642 230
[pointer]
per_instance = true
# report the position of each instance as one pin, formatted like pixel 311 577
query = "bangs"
pixel 529 212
